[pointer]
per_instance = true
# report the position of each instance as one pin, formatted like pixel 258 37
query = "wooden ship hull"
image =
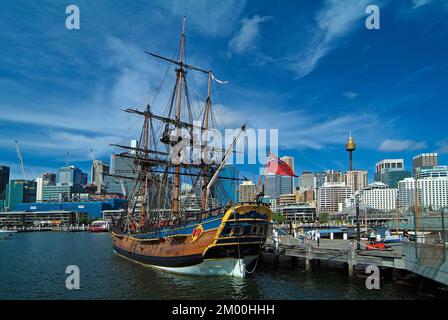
pixel 223 244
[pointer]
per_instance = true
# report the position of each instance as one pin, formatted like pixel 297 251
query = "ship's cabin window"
pixel 254 229
pixel 237 231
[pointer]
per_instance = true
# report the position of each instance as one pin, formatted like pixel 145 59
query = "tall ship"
pixel 186 231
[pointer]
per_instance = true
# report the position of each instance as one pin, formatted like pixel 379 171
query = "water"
pixel 32 266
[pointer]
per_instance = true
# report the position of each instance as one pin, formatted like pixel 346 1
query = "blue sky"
pixel 308 68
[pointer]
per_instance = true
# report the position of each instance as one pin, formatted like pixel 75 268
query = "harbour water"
pixel 32 266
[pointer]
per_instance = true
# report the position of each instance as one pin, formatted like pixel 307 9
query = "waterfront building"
pixel 19 191
pixel 93 209
pixel 43 219
pixel 70 176
pixel 247 191
pixel 99 168
pixel 356 179
pixel 275 185
pixel 379 196
pixel 47 179
pixel 390 171
pixel 4 180
pixel 297 212
pixel 331 197
pixel 425 160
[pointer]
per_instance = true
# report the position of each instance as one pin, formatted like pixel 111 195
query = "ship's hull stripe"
pixel 175 261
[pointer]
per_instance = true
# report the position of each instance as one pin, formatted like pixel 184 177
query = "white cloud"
pixel 420 3
pixel 401 145
pixel 335 21
pixel 350 95
pixel 244 39
pixel 442 146
pixel 210 17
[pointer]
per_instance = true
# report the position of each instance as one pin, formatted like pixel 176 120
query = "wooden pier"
pixel 427 260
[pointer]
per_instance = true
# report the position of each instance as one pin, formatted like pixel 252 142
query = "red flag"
pixel 278 166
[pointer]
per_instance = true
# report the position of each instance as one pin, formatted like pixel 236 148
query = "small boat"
pixel 99 226
pixel 6 234
pixel 7 231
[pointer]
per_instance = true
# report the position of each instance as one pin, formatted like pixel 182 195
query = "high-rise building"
pixel 247 191
pixel 290 162
pixel 432 192
pixel 390 171
pixel 4 180
pixel 425 160
pixel 47 179
pixel 379 196
pixel 406 193
pixel 20 191
pixel 70 176
pixel 389 164
pixel 331 197
pixel 99 168
pixel 123 171
pixel 275 185
pixel 356 179
pixel 432 172
pixel 334 176
pixel 307 180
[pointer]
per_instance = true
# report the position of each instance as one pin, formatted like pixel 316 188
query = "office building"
pixel 390 171
pixel 432 192
pixel 247 191
pixel 307 180
pixel 124 171
pixel 47 179
pixel 331 197
pixel 406 193
pixel 379 196
pixel 4 180
pixel 334 176
pixel 20 191
pixel 425 160
pixel 432 172
pixel 275 185
pixel 70 176
pixel 356 180
pixel 61 192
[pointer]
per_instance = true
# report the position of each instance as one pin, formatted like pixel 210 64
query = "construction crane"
pixel 19 156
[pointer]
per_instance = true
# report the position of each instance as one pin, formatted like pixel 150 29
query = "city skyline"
pixel 374 86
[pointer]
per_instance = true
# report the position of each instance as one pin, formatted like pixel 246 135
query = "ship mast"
pixel 180 73
pixel 208 105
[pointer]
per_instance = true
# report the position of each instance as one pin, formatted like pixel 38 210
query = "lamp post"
pixel 358 231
